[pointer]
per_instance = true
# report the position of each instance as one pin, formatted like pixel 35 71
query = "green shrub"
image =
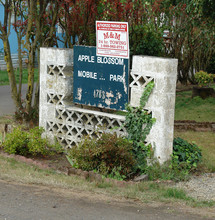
pixel 39 145
pixel 107 155
pixel 16 142
pixel 185 154
pixel 145 41
pixel 185 159
pixel 29 143
pixel 203 78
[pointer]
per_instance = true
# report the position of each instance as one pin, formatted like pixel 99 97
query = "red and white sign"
pixel 112 39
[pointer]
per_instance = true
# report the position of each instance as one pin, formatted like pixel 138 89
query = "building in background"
pixel 12 36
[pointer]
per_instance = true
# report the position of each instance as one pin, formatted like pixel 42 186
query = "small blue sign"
pixel 100 81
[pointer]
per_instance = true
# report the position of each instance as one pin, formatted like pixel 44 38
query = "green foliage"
pixel 167 171
pixel 108 155
pixel 191 30
pixel 203 78
pixel 16 142
pixel 39 145
pixel 138 124
pixel 185 159
pixel 145 40
pixel 206 140
pixel 116 174
pixel 29 143
pixel 185 154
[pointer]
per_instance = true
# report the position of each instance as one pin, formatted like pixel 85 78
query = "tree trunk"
pixel 30 80
pixel 10 71
pixel 20 65
pixel 37 90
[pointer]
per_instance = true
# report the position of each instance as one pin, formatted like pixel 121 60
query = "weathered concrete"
pixel 161 102
pixel 61 118
pixel 55 83
pixel 58 115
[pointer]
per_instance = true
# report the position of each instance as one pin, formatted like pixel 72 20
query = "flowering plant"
pixel 203 78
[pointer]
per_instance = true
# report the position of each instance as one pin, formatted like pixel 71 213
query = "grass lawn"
pixel 199 110
pixel 5 81
pixel 196 109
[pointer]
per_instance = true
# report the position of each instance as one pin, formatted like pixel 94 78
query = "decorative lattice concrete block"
pixel 56 81
pixel 73 123
pixel 69 124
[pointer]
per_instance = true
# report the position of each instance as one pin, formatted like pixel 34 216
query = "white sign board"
pixel 112 39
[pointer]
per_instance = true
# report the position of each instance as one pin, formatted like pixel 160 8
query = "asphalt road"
pixel 30 202
pixel 6 103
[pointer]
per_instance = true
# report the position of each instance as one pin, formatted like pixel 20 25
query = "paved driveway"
pixel 6 103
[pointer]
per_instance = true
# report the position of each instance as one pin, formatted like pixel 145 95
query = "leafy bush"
pixel 107 155
pixel 145 41
pixel 16 142
pixel 185 158
pixel 185 154
pixel 203 78
pixel 29 143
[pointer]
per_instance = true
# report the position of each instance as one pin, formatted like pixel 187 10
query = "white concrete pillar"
pixel 161 102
